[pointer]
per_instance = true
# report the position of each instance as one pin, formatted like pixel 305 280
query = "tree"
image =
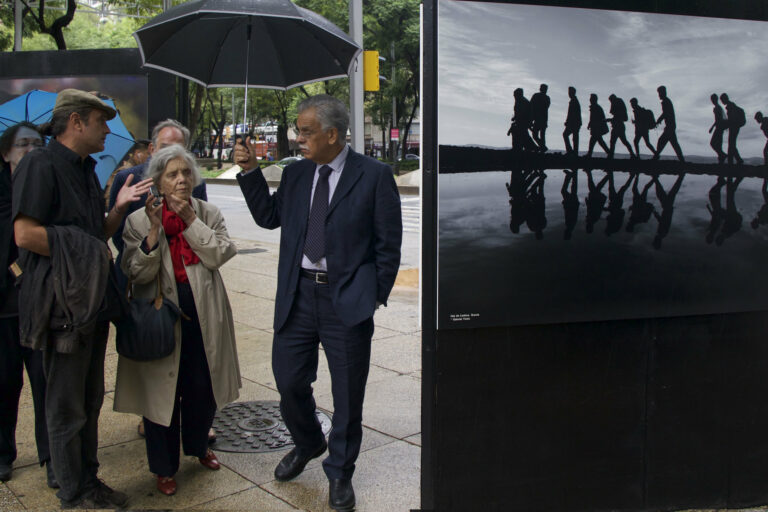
pixel 395 23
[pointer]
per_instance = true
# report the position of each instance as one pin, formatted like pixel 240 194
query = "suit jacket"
pixel 363 232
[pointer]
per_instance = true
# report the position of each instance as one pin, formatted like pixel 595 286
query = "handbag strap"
pixel 158 302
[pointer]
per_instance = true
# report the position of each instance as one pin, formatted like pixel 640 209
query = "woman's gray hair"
pixel 161 157
pixel 331 113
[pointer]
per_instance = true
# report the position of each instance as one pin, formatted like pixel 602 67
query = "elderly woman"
pixel 185 241
pixel 16 141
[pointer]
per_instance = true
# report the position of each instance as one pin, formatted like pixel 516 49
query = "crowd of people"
pixel 529 124
pixel 339 254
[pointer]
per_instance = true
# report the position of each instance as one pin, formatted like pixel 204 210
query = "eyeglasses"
pixel 25 143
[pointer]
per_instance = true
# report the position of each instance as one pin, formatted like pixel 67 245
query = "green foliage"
pixel 85 32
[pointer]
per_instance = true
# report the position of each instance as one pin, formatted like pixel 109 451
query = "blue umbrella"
pixel 37 107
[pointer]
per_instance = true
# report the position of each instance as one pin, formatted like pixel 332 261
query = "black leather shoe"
pixel 293 463
pixel 50 476
pixel 341 495
pixel 5 472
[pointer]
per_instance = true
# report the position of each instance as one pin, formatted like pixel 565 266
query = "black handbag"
pixel 146 332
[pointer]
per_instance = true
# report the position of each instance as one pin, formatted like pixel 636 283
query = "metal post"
pixel 18 8
pixel 167 5
pixel 392 144
pixel 356 120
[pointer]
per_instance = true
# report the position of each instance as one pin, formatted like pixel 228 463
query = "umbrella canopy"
pixel 37 107
pixel 254 43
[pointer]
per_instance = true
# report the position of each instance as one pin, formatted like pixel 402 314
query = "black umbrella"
pixel 214 42
pixel 271 44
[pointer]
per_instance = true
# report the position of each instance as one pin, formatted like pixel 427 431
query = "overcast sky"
pixel 486 50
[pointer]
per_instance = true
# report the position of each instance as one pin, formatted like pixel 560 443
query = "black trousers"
pixel 294 362
pixel 195 405
pixel 74 395
pixel 13 358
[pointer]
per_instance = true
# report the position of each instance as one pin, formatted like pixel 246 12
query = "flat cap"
pixel 70 99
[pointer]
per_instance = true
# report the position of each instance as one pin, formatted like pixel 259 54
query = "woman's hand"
pixel 155 214
pixel 181 208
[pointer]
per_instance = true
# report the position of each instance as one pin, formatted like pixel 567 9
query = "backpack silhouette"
pixel 739 118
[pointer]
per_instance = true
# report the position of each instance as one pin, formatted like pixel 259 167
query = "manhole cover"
pixel 255 427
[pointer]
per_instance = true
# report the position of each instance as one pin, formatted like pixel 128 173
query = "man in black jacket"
pixel 54 187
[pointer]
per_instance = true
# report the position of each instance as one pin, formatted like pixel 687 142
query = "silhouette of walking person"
pixel 521 123
pixel 597 126
pixel 615 218
pixel 763 122
pixel 733 219
pixel 643 121
pixel 540 113
pixel 572 123
pixel 716 210
pixel 667 201
pixel 536 217
pixel 571 203
pixel 668 135
pixel 517 188
pixel 762 214
pixel 595 200
pixel 618 129
pixel 641 209
pixel 717 129
pixel 736 119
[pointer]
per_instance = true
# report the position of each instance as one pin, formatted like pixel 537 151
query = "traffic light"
pixel 371 70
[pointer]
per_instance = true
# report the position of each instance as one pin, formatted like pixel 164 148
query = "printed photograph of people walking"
pixel 598 165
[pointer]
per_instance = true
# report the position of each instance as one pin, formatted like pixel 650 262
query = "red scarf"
pixel 181 253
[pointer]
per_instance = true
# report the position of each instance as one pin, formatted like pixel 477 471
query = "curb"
pixel 406 190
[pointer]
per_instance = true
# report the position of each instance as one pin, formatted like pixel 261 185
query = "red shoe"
pixel 210 461
pixel 166 485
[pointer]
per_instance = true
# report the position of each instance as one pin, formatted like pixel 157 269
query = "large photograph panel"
pixel 654 204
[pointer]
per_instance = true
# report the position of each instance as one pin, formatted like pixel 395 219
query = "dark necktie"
pixel 314 243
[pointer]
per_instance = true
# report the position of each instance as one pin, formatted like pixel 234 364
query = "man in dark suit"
pixel 339 255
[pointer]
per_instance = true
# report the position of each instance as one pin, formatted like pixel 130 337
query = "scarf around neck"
pixel 181 252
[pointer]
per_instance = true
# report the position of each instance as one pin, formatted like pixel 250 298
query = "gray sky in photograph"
pixel 486 50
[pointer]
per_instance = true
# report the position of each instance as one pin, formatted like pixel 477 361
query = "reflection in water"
pixel 571 201
pixel 528 203
pixel 641 210
pixel 595 200
pixel 762 214
pixel 615 209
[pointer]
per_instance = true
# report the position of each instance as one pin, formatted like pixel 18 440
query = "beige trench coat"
pixel 149 388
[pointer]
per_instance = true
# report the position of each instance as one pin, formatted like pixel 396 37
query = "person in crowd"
pixel 60 229
pixel 164 134
pixel 184 241
pixel 521 123
pixel 618 129
pixel 717 129
pixel 643 121
pixel 572 123
pixel 17 141
pixel 137 155
pixel 736 119
pixel 670 126
pixel 598 126
pixel 540 113
pixel 763 123
pixel 341 230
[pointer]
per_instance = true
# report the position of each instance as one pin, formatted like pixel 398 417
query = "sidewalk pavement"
pixel 387 475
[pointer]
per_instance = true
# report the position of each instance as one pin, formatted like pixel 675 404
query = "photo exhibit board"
pixel 530 233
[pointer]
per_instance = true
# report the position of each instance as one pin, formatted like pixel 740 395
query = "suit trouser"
pixel 195 405
pixel 74 394
pixel 13 358
pixel 294 362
